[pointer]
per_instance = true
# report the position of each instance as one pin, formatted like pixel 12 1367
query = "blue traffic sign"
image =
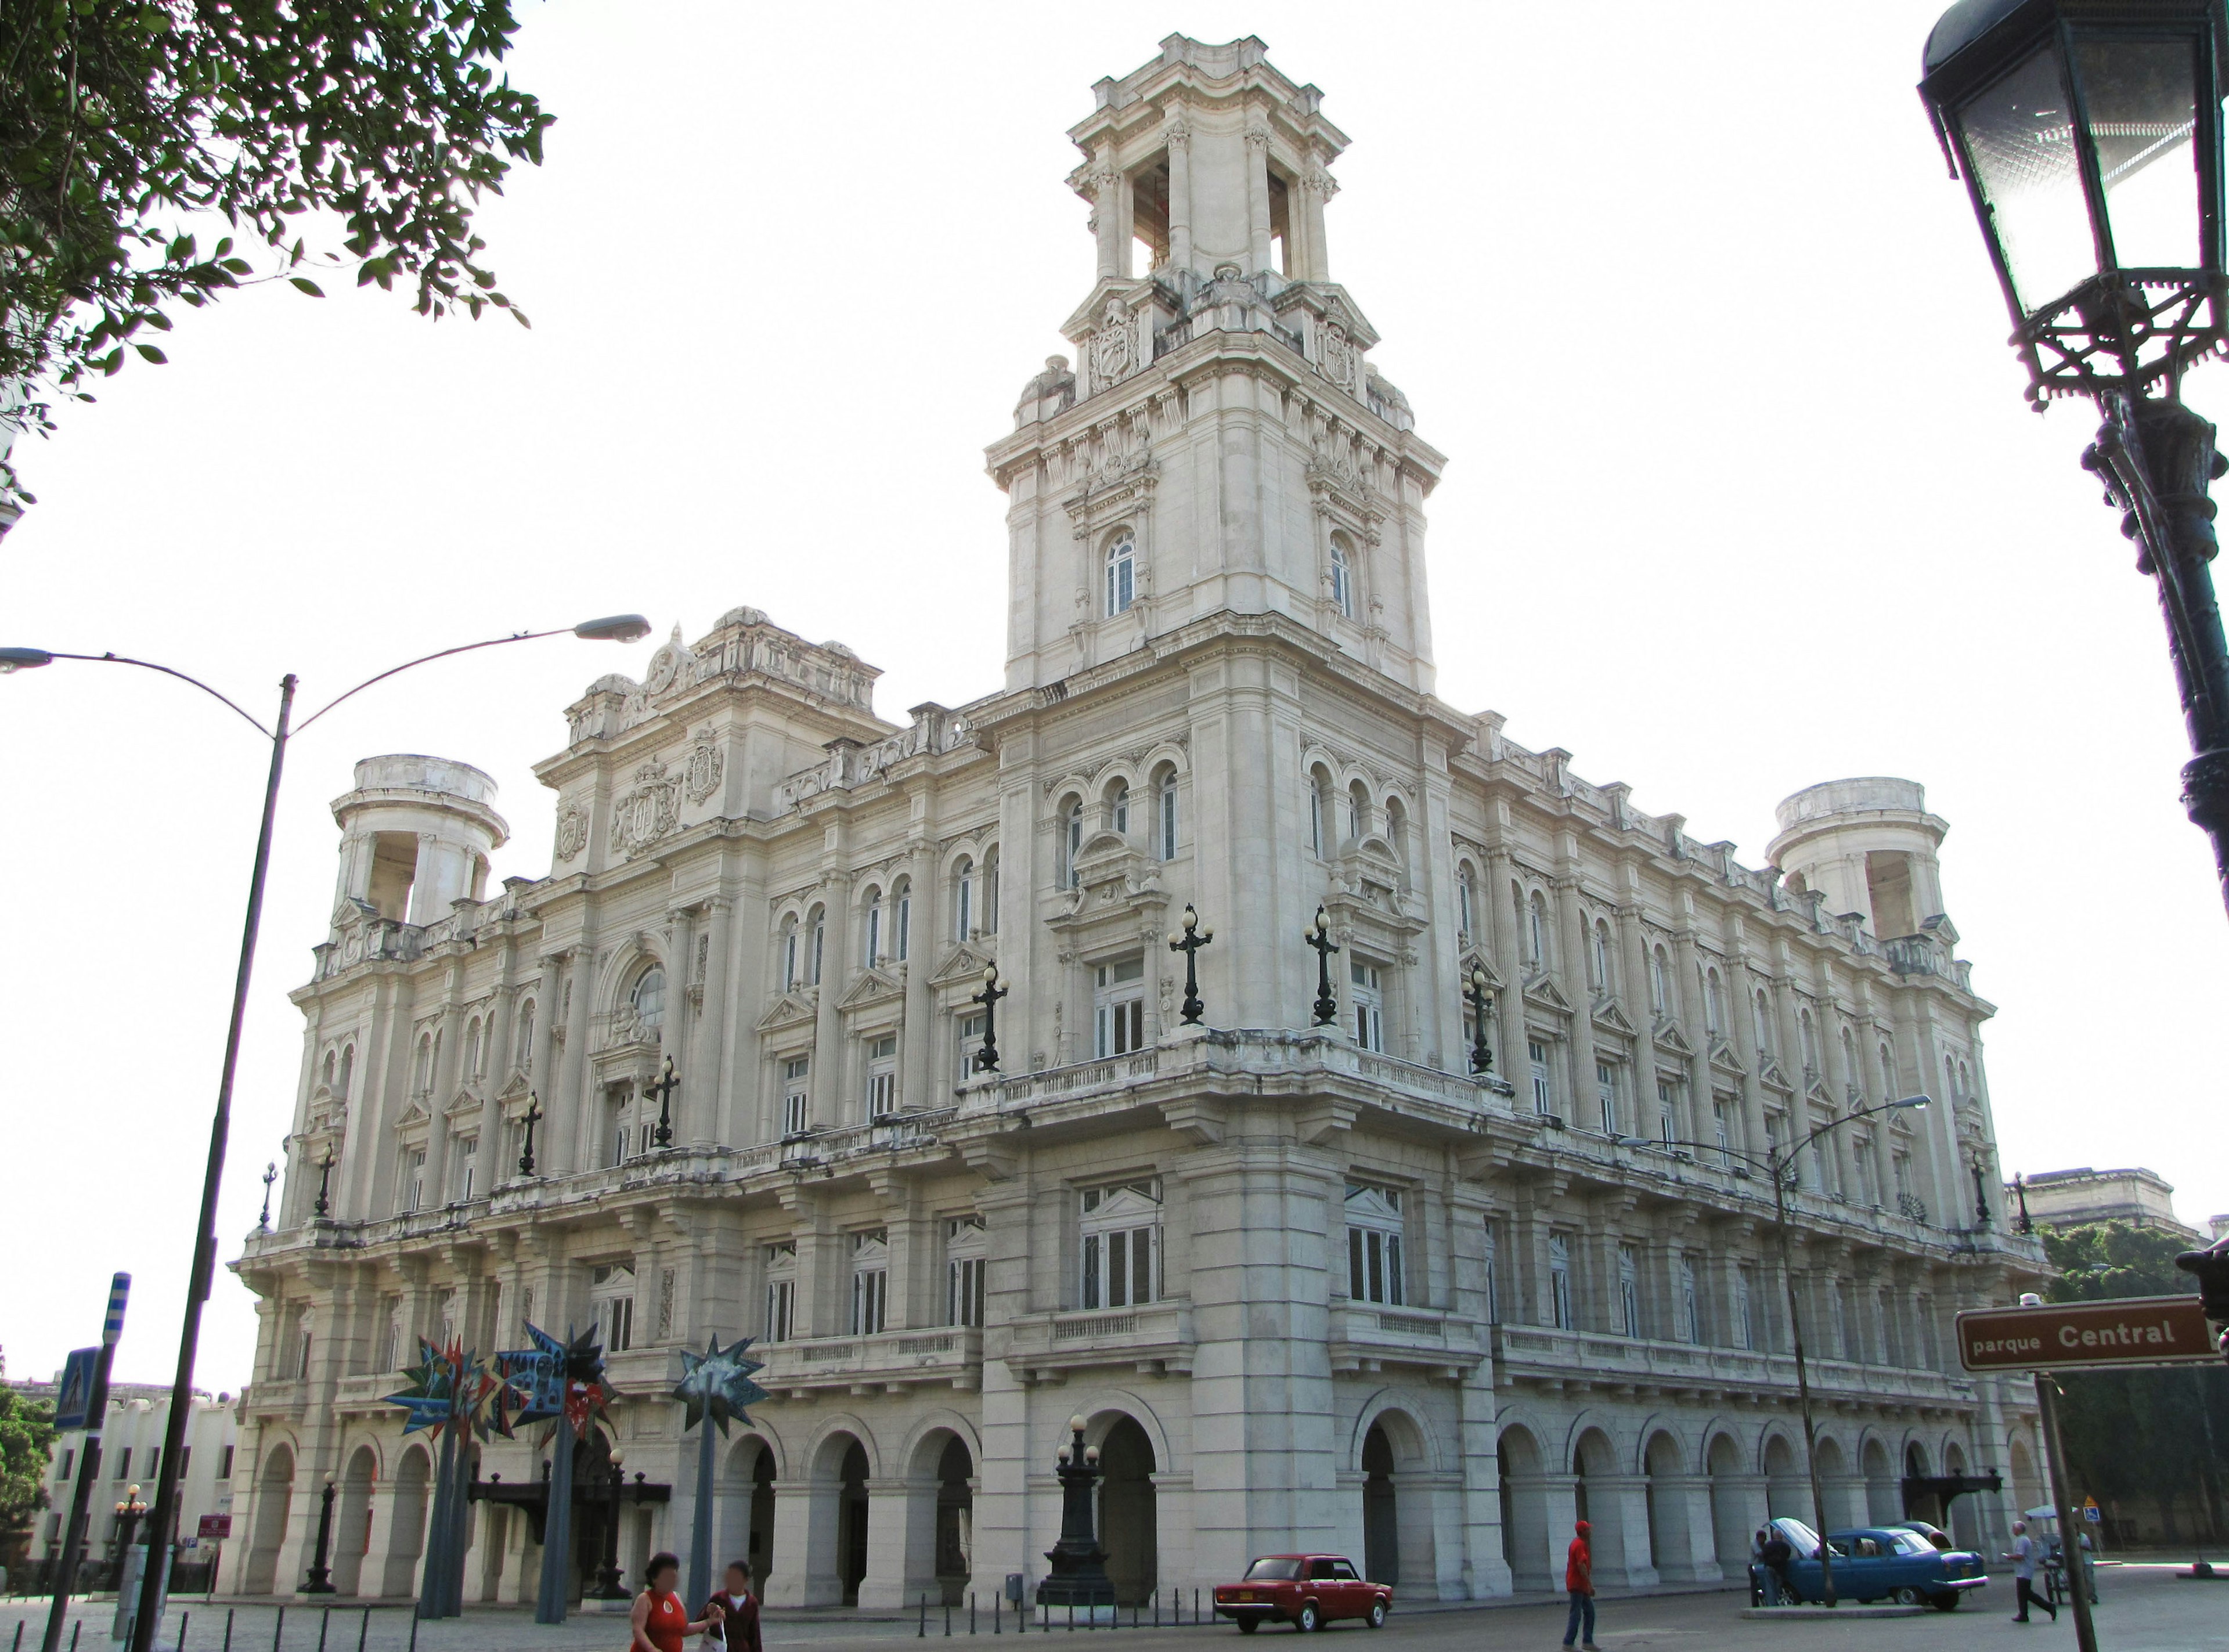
pixel 75 1399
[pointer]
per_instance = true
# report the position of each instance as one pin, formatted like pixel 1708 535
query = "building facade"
pixel 131 1458
pixel 1310 1282
pixel 2074 1198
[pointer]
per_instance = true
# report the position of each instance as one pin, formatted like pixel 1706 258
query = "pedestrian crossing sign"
pixel 74 1399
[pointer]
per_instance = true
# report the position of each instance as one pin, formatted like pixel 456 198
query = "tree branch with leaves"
pixel 127 125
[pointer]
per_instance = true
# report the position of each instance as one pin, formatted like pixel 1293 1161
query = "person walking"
pixel 2026 1550
pixel 661 1621
pixel 1580 1579
pixel 1773 1549
pixel 738 1624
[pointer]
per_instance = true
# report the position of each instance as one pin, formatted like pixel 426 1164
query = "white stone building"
pixel 132 1456
pixel 1310 1286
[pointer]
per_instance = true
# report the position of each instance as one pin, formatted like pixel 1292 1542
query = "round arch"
pixel 1411 1433
pixel 352 1496
pixel 274 1497
pixel 1522 1470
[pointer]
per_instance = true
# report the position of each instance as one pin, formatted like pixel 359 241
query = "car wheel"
pixel 1788 1596
pixel 1378 1613
pixel 1907 1596
pixel 1249 1624
pixel 1947 1601
pixel 1310 1620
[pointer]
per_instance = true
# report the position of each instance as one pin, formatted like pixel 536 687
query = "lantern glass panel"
pixel 2019 136
pixel 2140 96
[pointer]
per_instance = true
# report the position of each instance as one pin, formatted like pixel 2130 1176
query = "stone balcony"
pixel 1152 1338
pixel 886 1362
pixel 1367 1338
pixel 1540 1356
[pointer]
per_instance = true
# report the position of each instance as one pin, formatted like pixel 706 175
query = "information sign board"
pixel 2124 1331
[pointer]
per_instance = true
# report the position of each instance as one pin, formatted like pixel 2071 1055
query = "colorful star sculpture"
pixel 719 1382
pixel 557 1379
pixel 450 1389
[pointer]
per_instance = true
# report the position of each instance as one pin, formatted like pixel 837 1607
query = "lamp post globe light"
pixel 162 1511
pixel 2089 135
pixel 1779 1167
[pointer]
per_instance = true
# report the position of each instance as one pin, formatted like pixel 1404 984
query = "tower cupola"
pixel 416 833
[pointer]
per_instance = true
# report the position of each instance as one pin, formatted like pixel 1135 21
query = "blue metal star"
pixel 718 1381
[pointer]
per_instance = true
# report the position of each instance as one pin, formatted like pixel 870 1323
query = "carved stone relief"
pixel 572 831
pixel 648 812
pixel 705 764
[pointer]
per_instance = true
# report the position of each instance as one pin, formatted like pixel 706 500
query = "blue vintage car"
pixel 1879 1563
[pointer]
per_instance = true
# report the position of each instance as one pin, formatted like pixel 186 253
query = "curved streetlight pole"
pixel 1778 1167
pixel 625 627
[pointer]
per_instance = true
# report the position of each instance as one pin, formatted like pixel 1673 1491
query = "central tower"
pixel 1222 443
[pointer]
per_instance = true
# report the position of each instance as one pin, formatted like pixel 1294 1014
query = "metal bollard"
pixel 921 1633
pixel 227 1628
pixel 278 1629
pixel 997 1600
pixel 181 1630
pixel 948 1620
pixel 414 1632
pixel 363 1630
pixel 970 1611
pixel 16 1645
pixel 325 1623
pixel 75 1627
pixel 1071 1617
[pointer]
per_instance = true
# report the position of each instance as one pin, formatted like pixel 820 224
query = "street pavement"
pixel 2145 1609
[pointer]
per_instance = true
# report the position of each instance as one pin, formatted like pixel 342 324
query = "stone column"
pixel 1317 188
pixel 921 1082
pixel 1107 216
pixel 1509 1003
pixel 799 1501
pixel 572 1125
pixel 1581 1109
pixel 709 1107
pixel 891 1507
pixel 1258 199
pixel 834 1103
pixel 1618 1507
pixel 1179 136
pixel 1686 1544
pixel 673 1029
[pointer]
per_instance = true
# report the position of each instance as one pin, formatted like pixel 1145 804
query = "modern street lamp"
pixel 2089 132
pixel 1778 1167
pixel 621 628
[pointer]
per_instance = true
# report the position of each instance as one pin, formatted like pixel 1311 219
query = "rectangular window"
pixel 1743 1323
pixel 796 1095
pixel 615 1323
pixel 1719 1129
pixel 616 1128
pixel 69 1462
pixel 970 1040
pixel 1121 1245
pixel 1374 1273
pixel 468 1148
pixel 1667 1111
pixel 1119 1007
pixel 1543 1092
pixel 1369 996
pixel 1628 1291
pixel 1691 1304
pixel 155 1461
pixel 1168 820
pixel 414 1179
pixel 782 1292
pixel 1493 1276
pixel 963 1279
pixel 124 1463
pixel 1606 1095
pixel 1559 1282
pixel 224 1464
pixel 871 1290
pixel 883 1076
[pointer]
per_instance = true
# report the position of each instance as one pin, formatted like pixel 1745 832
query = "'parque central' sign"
pixel 2128 1331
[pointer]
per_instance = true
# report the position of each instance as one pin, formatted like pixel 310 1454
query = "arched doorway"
pixel 1965 1522
pixel 746 1510
pixel 1524 1508
pixel 1919 1505
pixel 273 1501
pixel 1883 1506
pixel 1833 1485
pixel 1129 1526
pixel 1732 1519
pixel 851 1523
pixel 353 1520
pixel 956 1520
pixel 1592 1456
pixel 406 1531
pixel 1786 1492
pixel 1381 1514
pixel 1671 1546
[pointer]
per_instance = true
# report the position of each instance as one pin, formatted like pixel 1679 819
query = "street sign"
pixel 2125 1331
pixel 75 1399
pixel 2089 1512
pixel 213 1527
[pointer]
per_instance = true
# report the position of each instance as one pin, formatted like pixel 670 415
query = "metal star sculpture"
pixel 452 1390
pixel 555 1379
pixel 719 1382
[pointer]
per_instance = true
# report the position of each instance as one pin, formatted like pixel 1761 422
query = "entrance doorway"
pixel 956 1521
pixel 851 1523
pixel 760 1548
pixel 1129 1526
pixel 1381 1513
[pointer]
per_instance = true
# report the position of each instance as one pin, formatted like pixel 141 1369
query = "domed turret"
pixel 1869 847
pixel 416 834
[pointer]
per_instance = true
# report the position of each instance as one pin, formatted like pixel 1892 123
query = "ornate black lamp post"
pixel 128 1515
pixel 2090 135
pixel 2019 1192
pixel 1318 935
pixel 986 1058
pixel 1193 939
pixel 321 1574
pixel 1079 1564
pixel 664 1089
pixel 270 1175
pixel 607 1575
pixel 1482 1057
pixel 532 1117
pixel 325 1185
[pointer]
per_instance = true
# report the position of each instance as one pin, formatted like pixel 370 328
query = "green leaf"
pixel 307 285
pixel 148 352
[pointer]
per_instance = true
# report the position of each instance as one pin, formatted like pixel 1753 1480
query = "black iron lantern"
pixel 2089 135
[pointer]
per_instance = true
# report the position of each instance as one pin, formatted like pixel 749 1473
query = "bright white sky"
pixel 1741 496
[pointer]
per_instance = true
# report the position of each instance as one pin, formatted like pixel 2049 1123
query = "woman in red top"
pixel 661 1621
pixel 1580 1579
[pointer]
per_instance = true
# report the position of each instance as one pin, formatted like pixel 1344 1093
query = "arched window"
pixel 348 1069
pixel 1850 1059
pixel 1165 813
pixel 817 920
pixel 902 947
pixel 523 1054
pixel 649 998
pixel 1118 810
pixel 874 926
pixel 1761 1013
pixel 789 958
pixel 1660 982
pixel 1465 899
pixel 473 1048
pixel 1121 573
pixel 1808 1036
pixel 331 1057
pixel 1318 811
pixel 1888 1075
pixel 421 1074
pixel 963 899
pixel 1358 810
pixel 1075 836
pixel 1396 828
pixel 1714 1003
pixel 1536 930
pixel 990 900
pixel 1599 959
pixel 1342 575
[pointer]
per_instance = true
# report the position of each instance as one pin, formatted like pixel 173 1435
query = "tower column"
pixel 1107 215
pixel 1257 198
pixel 1179 139
pixel 1317 188
pixel 711 1029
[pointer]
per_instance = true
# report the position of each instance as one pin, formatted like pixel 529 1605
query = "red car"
pixel 1307 1590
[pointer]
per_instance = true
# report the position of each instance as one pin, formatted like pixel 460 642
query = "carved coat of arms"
pixel 646 812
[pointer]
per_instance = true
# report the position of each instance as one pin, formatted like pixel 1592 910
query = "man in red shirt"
pixel 1580 1579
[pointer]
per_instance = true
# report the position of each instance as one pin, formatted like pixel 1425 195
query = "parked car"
pixel 1928 1529
pixel 1307 1590
pixel 1876 1563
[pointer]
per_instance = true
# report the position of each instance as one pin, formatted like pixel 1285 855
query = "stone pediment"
pixel 788 1010
pixel 874 986
pixel 515 1085
pixel 962 963
pixel 1668 1039
pixel 1608 1015
pixel 348 910
pixel 463 1102
pixel 1768 1072
pixel 415 1112
pixel 1478 961
pixel 1542 992
pixel 1723 1059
